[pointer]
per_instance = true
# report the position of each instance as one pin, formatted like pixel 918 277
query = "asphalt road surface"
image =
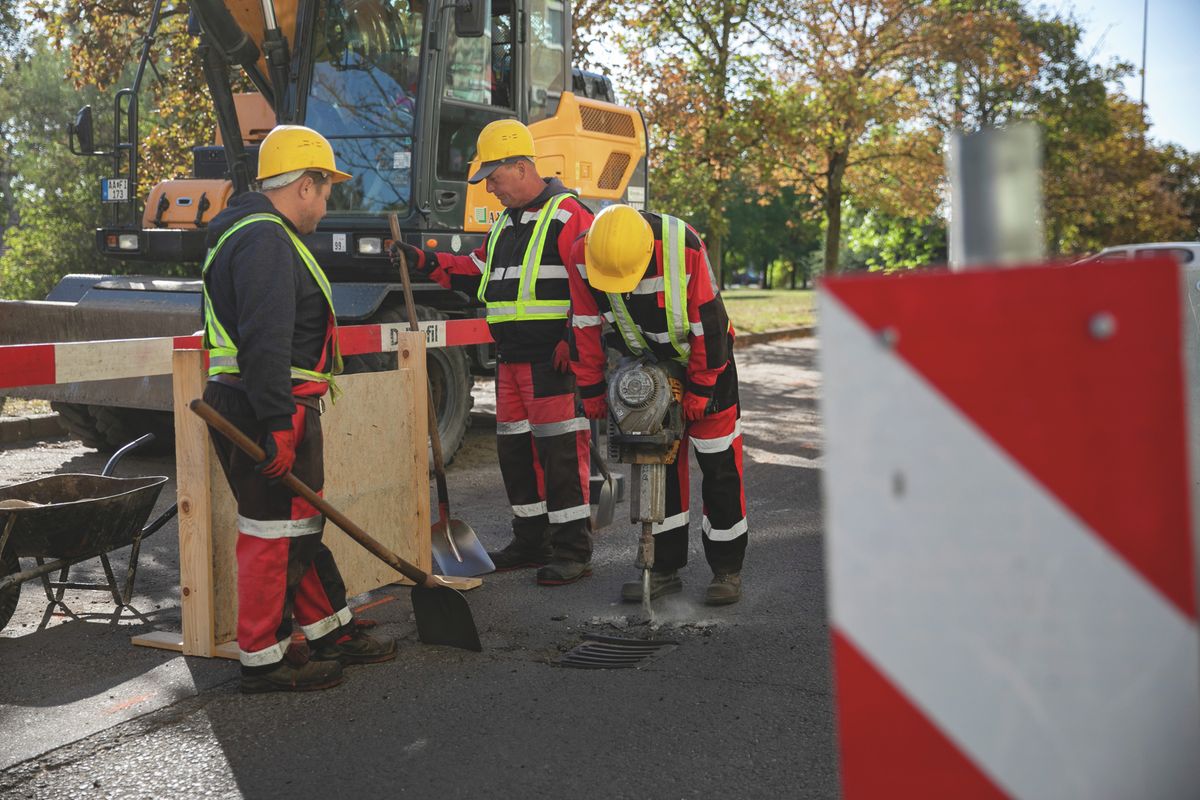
pixel 740 708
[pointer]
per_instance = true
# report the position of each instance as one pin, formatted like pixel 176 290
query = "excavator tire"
pixel 9 565
pixel 107 428
pixel 449 375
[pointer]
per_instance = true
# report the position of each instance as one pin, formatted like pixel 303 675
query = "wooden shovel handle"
pixel 247 446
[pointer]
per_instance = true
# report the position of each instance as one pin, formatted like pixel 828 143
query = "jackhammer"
pixel 645 429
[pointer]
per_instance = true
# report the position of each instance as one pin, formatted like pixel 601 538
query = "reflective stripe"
pixel 280 528
pixel 569 514
pixel 671 523
pixel 718 535
pixel 559 428
pixel 720 444
pixel 562 215
pixel 608 315
pixel 266 656
pixel 505 273
pixel 649 285
pixel 526 306
pixel 585 320
pixel 673 285
pixel 582 270
pixel 323 627
pixel 221 347
pixel 553 271
pixel 477 261
pixel 697 329
pixel 508 428
pixel 530 510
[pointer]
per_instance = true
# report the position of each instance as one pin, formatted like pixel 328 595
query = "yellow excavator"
pixel 401 88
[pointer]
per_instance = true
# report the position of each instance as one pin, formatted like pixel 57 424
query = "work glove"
pixel 281 454
pixel 694 406
pixel 562 357
pixel 595 407
pixel 421 262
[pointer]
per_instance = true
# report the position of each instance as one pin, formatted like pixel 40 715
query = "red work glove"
pixel 694 406
pixel 595 407
pixel 562 357
pixel 281 454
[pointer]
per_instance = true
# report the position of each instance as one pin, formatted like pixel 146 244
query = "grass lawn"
pixel 756 310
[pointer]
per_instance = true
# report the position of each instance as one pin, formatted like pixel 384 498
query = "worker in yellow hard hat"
pixel 519 274
pixel 271 337
pixel 648 276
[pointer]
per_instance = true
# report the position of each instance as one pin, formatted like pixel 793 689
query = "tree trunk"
pixel 715 248
pixel 795 268
pixel 833 208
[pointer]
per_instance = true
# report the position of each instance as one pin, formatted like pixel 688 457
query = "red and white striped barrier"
pixel 72 362
pixel 1011 554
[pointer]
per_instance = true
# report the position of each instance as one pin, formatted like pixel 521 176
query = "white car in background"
pixel 1184 252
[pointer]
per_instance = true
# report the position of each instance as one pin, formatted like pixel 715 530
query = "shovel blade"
pixel 443 617
pixel 604 508
pixel 475 560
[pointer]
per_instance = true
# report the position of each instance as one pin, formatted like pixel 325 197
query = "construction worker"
pixel 519 274
pixel 272 341
pixel 648 276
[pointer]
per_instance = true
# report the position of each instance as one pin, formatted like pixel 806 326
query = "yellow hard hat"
pixel 501 142
pixel 618 249
pixel 291 147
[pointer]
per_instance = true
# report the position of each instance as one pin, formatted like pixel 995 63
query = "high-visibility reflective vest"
pixel 674 233
pixel 222 352
pixel 527 306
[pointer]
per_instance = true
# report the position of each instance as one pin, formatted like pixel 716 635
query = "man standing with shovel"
pixel 519 274
pixel 271 336
pixel 648 276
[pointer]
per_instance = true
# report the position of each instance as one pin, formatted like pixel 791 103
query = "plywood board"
pixel 376 473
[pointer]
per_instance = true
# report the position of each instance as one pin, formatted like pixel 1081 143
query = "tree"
pixel 843 112
pixel 691 67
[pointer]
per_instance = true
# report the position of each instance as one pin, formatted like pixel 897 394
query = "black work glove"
pixel 422 262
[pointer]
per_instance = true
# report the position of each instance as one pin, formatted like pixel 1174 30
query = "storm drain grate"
pixel 612 652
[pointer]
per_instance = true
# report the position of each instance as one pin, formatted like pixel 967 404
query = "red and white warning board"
pixel 1011 554
pixel 72 362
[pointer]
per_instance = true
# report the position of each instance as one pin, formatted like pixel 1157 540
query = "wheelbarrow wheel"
pixel 9 565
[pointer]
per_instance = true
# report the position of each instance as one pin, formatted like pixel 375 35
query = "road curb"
pixel 746 339
pixel 36 426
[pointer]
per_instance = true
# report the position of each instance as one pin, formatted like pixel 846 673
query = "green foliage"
pixel 879 242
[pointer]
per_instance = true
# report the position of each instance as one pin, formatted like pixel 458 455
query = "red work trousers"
pixel 284 570
pixel 543 445
pixel 717 441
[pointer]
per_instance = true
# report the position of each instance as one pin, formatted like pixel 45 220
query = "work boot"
pixel 351 645
pixel 560 572
pixel 665 582
pixel 294 677
pixel 725 588
pixel 516 556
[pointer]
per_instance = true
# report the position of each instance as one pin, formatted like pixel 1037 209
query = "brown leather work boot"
pixel 294 677
pixel 514 556
pixel 725 588
pixel 351 645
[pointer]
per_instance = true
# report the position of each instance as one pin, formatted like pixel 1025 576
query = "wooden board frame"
pixel 376 472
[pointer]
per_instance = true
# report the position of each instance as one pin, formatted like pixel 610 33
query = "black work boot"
pixel 725 588
pixel 661 583
pixel 290 675
pixel 517 556
pixel 351 645
pixel 560 572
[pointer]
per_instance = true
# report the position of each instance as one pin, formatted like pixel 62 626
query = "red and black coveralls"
pixel 711 372
pixel 519 273
pixel 267 301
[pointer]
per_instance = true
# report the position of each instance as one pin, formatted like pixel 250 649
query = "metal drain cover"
pixel 613 652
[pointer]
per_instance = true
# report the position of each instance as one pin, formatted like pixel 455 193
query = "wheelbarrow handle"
pixel 246 445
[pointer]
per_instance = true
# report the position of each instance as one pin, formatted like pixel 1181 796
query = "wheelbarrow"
pixel 62 520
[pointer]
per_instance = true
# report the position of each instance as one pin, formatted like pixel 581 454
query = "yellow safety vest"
pixel 222 352
pixel 526 306
pixel 674 239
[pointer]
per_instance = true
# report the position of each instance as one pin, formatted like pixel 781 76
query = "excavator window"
pixel 481 70
pixel 363 96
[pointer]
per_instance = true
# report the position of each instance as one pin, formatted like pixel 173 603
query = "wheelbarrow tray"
pixel 79 515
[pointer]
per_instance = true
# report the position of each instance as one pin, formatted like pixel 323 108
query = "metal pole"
pixel 1145 23
pixel 995 197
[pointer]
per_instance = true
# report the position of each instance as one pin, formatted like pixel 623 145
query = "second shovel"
pixel 457 551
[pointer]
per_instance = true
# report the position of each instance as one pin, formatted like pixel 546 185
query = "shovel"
pixel 457 551
pixel 442 613
pixel 602 517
